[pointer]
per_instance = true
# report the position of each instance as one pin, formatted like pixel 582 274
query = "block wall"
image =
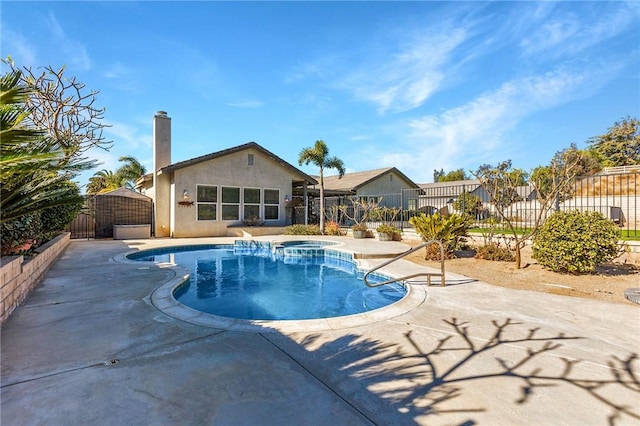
pixel 19 276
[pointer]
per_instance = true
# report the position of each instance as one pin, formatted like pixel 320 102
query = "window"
pixel 207 199
pixel 250 159
pixel 251 203
pixel 230 203
pixel 271 204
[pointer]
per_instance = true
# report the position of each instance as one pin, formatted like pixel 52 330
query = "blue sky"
pixel 415 85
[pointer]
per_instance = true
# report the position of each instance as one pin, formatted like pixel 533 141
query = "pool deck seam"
pixel 318 379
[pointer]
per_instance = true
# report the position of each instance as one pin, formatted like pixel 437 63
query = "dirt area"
pixel 609 283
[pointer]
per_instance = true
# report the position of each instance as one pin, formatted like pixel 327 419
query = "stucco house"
pixel 214 194
pixel 388 180
pixel 384 186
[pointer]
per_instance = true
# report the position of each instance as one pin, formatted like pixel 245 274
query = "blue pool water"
pixel 261 282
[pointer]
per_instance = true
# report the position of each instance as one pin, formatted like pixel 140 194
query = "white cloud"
pixel 117 70
pixel 132 137
pixel 570 33
pixel 123 78
pixel 22 52
pixel 549 35
pixel 398 73
pixel 477 132
pixel 75 53
pixel 405 79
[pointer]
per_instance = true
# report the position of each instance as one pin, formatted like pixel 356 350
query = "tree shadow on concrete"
pixel 433 379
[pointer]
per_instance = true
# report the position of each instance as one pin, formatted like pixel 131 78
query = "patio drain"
pixel 633 294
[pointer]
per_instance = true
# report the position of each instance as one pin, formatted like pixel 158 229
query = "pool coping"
pixel 162 298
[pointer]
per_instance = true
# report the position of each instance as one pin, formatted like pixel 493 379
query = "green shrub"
pixel 467 203
pixel 302 230
pixel 17 232
pixel 45 224
pixel 495 252
pixel 575 242
pixel 56 219
pixel 450 230
pixel 387 229
pixel 360 227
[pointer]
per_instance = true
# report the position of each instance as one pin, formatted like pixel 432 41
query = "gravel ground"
pixel 608 283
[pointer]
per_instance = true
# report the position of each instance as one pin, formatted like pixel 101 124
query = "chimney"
pixel 161 140
pixel 161 192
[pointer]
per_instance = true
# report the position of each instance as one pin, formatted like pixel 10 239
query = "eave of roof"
pixel 239 148
pixel 125 192
pixel 355 180
pixel 142 179
pixel 470 182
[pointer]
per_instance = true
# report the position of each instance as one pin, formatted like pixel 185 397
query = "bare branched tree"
pixel 63 108
pixel 501 184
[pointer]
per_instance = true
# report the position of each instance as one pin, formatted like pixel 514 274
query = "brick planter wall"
pixel 20 276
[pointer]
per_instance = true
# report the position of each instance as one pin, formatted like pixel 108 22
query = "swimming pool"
pixel 262 281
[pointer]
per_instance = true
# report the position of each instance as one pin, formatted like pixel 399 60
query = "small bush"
pixel 450 230
pixel 387 229
pixel 16 233
pixel 495 252
pixel 432 252
pixel 576 242
pixel 360 227
pixel 302 230
pixel 332 228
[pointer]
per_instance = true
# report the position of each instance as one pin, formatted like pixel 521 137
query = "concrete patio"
pixel 90 347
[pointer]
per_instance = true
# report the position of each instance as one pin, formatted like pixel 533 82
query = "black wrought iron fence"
pixel 615 195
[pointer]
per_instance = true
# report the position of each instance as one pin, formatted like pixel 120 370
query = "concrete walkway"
pixel 90 347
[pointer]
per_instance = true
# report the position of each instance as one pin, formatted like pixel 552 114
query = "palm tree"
pixel 126 176
pixel 23 149
pixel 103 181
pixel 319 155
pixel 33 169
pixel 131 171
pixel 96 184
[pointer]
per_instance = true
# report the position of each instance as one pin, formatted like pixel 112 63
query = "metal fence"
pixel 101 212
pixel 372 209
pixel 614 195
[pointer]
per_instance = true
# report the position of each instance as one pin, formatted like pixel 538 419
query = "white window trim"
pixel 259 204
pixel 216 203
pixel 270 205
pixel 239 204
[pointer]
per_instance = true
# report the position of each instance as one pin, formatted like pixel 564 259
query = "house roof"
pixel 353 181
pixel 124 192
pixel 449 189
pixel 142 179
pixel 468 182
pixel 233 150
pixel 456 187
